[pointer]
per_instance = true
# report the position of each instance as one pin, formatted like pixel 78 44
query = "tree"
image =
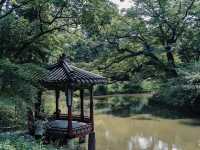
pixel 147 32
pixel 29 29
pixel 32 32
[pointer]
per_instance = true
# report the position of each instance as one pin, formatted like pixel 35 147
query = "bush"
pixel 18 90
pixel 130 104
pixel 181 92
pixel 150 85
pixel 12 112
pixel 101 90
pixel 126 88
pixel 15 142
pixel 7 117
pixel 132 88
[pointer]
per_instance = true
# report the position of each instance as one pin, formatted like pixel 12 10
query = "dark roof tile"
pixel 65 72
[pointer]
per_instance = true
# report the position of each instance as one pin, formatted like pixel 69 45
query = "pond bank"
pixel 128 94
pixel 141 103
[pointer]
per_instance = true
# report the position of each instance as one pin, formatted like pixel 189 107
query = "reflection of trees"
pixel 132 104
pixel 140 142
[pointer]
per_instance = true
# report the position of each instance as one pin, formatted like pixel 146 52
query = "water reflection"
pixel 114 132
pixel 149 143
pixel 122 103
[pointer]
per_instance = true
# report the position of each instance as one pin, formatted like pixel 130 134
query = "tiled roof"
pixel 63 71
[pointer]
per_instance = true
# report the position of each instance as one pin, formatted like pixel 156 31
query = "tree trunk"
pixel 171 62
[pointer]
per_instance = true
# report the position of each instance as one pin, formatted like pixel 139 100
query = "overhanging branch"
pixel 14 8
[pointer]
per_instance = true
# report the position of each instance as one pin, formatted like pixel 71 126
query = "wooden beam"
pixel 40 98
pixel 30 122
pixel 82 104
pixel 69 120
pixel 69 98
pixel 91 108
pixel 38 104
pixel 57 103
pixel 92 141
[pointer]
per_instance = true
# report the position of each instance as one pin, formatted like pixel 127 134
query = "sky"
pixel 123 5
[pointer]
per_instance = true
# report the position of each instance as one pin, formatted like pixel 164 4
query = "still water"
pixel 145 132
pixel 115 133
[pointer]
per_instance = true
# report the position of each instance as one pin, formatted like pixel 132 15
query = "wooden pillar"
pixel 91 108
pixel 57 103
pixel 69 96
pixel 92 141
pixel 30 123
pixel 40 97
pixel 70 120
pixel 38 104
pixel 82 104
pixel 82 139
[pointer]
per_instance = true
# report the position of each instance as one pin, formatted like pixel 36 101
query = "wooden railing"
pixel 76 131
pixel 86 119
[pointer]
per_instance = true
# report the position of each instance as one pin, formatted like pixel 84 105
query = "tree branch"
pixel 36 37
pixel 2 2
pixel 57 15
pixel 117 60
pixel 14 8
pixel 188 9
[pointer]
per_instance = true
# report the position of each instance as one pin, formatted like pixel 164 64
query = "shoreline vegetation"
pixel 125 94
pixel 127 104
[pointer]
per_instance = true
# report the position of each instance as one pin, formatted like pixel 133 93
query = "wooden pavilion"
pixel 65 77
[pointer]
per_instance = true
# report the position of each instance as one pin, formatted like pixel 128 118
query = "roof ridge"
pixel 67 69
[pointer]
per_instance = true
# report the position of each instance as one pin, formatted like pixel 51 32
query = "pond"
pixel 142 131
pixel 115 133
pixel 122 123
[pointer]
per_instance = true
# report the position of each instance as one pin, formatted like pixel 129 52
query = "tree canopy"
pixel 151 40
pixel 152 34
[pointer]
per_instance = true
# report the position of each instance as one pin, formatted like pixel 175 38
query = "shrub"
pixel 181 92
pixel 101 90
pixel 18 90
pixel 126 88
pixel 15 142
pixel 130 104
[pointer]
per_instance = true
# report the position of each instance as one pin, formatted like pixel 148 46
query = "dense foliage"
pixel 154 43
pixel 154 40
pixel 182 92
pixel 33 33
pixel 18 90
pixel 13 142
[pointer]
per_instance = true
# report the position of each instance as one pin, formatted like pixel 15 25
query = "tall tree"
pixel 149 30
pixel 29 28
